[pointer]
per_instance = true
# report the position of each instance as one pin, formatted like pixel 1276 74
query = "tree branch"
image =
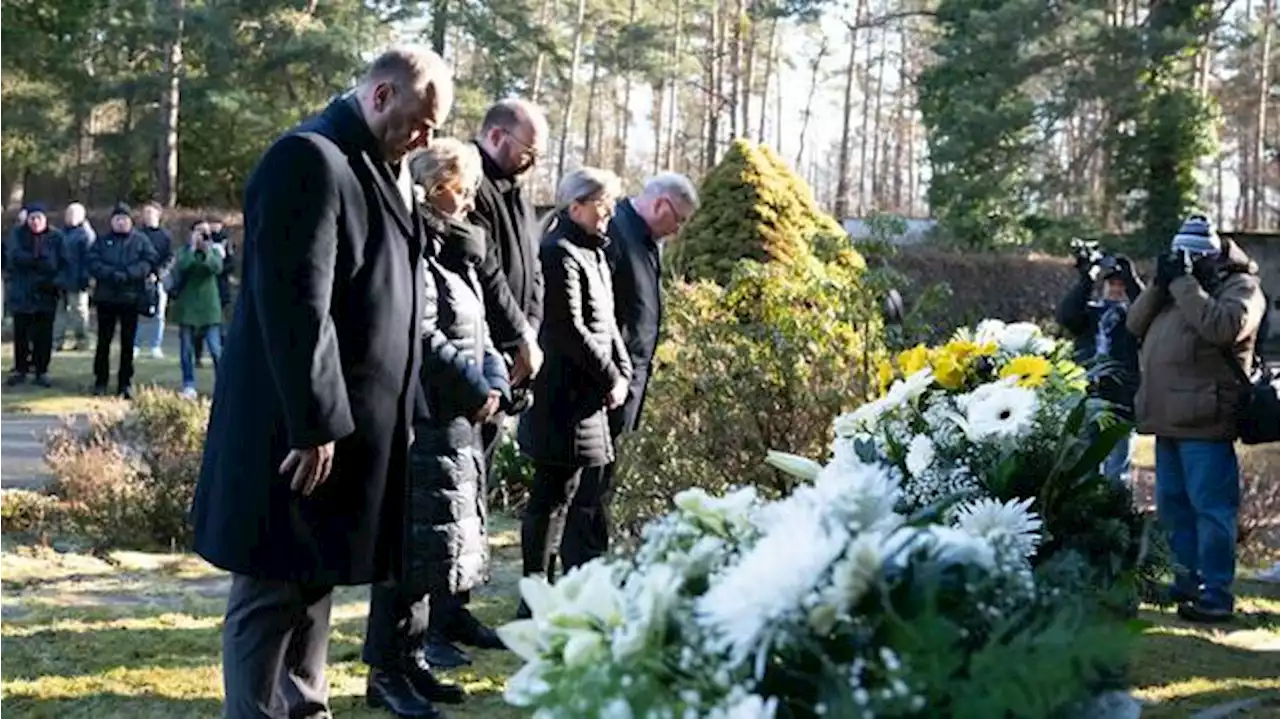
pixel 887 19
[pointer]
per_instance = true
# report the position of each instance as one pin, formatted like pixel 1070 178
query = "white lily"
pixel 583 647
pixel 793 464
pixel 523 638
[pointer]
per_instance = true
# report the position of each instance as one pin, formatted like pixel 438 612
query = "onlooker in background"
pixel 119 263
pixel 1201 313
pixel 73 279
pixel 151 331
pixel 196 309
pixel 512 138
pixel 463 380
pixel 1103 343
pixel 221 240
pixel 19 221
pixel 305 472
pixel 634 252
pixel 32 295
pixel 587 372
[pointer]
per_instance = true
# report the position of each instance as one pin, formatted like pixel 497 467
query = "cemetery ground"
pixel 137 634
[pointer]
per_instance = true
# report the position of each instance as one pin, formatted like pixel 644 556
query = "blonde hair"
pixel 444 161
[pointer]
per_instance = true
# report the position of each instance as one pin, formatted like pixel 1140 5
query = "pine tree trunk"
pixel 877 172
pixel 1259 149
pixel 735 62
pixel 567 124
pixel 814 69
pixel 592 89
pixel 769 59
pixel 170 103
pixel 539 64
pixel 748 70
pixel 846 132
pixel 673 85
pixel 439 25
pixel 624 138
pixel 714 76
pixel 865 127
pixel 659 112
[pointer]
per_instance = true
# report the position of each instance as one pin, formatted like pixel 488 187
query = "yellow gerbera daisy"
pixel 1031 370
pixel 948 371
pixel 884 375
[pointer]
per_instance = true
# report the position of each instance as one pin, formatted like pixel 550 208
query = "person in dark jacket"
pixel 303 482
pixel 19 221
pixel 32 295
pixel 636 237
pixel 119 263
pixel 150 335
pixel 73 278
pixel 195 302
pixel 1104 345
pixel 1198 319
pixel 462 382
pixel 587 370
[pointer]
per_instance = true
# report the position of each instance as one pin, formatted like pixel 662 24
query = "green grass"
pixel 138 636
pixel 72 375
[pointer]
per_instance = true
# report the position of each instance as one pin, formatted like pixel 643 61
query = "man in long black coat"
pixel 636 235
pixel 303 482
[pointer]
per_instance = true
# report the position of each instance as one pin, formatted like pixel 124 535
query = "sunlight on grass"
pixel 139 637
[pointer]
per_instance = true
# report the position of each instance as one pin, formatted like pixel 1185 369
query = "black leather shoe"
pixel 126 393
pixel 440 653
pixel 393 691
pixel 42 380
pixel 15 379
pixel 466 629
pixel 523 611
pixel 429 686
pixel 1202 613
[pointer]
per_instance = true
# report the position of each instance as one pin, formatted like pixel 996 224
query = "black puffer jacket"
pixel 583 353
pixel 119 265
pixel 1115 381
pixel 32 269
pixel 448 544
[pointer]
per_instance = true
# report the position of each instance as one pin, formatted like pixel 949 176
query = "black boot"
pixel 426 683
pixel 464 628
pixel 15 379
pixel 394 692
pixel 42 380
pixel 439 652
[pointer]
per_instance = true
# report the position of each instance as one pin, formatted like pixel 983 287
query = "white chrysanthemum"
pixel 999 409
pixel 857 495
pixel 920 454
pixel 769 581
pixel 989 331
pixel 993 520
pixel 952 545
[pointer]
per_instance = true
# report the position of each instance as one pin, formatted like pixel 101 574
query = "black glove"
pixel 1084 266
pixel 1169 267
pixel 1125 267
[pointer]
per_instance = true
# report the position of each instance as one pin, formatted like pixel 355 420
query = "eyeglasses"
pixel 681 217
pixel 529 150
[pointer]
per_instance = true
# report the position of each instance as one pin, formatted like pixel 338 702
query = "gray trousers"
pixel 275 643
pixel 73 316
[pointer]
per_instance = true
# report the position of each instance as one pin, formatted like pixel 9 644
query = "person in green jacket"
pixel 197 309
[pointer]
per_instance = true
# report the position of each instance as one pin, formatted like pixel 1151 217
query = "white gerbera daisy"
pixel 999 409
pixel 909 389
pixel 920 454
pixel 994 520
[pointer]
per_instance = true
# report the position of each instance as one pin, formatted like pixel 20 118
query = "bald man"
pixel 303 482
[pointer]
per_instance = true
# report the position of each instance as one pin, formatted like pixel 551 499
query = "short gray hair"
pixel 442 161
pixel 672 185
pixel 411 66
pixel 586 184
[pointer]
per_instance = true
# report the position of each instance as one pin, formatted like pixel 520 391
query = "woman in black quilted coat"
pixel 585 372
pixel 462 382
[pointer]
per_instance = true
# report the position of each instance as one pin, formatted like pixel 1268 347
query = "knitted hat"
pixel 33 208
pixel 122 208
pixel 1197 236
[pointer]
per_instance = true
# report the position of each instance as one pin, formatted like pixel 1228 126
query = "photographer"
pixel 197 310
pixel 1102 342
pixel 1200 316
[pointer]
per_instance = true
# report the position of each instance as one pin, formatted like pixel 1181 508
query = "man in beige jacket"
pixel 1202 312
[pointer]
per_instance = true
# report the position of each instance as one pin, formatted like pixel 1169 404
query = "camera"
pixel 1089 254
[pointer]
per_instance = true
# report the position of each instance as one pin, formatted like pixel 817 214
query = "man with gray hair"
pixel 73 278
pixel 637 236
pixel 306 464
